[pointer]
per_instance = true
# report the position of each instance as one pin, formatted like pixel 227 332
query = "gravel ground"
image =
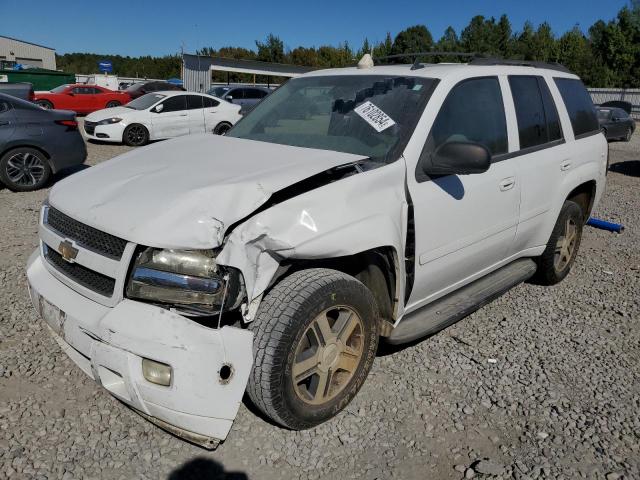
pixel 542 383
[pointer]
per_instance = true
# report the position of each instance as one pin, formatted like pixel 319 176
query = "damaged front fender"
pixel 361 212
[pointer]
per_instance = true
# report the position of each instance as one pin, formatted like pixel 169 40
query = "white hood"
pixel 185 192
pixel 109 113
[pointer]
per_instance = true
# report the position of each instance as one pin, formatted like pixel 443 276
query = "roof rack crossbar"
pixel 427 54
pixel 520 63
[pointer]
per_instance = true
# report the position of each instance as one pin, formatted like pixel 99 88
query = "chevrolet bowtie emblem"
pixel 67 250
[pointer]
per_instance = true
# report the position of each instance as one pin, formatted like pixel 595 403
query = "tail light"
pixel 70 124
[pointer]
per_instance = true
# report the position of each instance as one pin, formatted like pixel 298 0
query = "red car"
pixel 81 98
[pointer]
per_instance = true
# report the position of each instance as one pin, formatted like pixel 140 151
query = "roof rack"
pixel 417 65
pixel 522 63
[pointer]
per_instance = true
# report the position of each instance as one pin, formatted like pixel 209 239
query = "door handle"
pixel 4 122
pixel 507 183
pixel 565 165
pixel 183 115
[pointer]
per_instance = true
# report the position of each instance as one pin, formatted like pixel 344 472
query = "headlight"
pixel 109 121
pixel 187 279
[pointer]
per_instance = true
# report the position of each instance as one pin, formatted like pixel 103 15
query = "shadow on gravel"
pixel 62 174
pixel 630 168
pixel 202 468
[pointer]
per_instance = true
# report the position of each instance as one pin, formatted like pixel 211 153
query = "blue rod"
pixel 604 225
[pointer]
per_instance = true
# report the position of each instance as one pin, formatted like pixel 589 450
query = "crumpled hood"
pixel 184 193
pixel 109 113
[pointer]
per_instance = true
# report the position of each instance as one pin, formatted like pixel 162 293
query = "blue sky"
pixel 160 27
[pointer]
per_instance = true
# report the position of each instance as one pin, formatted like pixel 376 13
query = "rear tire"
pixel 222 128
pixel 315 338
pixel 24 169
pixel 562 248
pixel 135 135
pixel 113 104
pixel 46 104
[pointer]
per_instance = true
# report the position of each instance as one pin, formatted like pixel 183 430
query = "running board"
pixel 457 305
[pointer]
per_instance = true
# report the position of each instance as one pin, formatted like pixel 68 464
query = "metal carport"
pixel 196 69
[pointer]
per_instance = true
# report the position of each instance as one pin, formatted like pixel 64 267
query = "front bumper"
pixel 105 133
pixel 109 343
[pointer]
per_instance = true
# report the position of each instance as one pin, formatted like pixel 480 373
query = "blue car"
pixel 36 143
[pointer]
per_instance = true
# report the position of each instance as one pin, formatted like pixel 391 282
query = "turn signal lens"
pixel 156 372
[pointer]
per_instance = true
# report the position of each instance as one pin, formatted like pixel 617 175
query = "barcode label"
pixel 374 116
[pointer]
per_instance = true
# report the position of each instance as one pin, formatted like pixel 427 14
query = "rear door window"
pixel 472 112
pixel 175 104
pixel 537 116
pixel 194 102
pixel 579 106
pixel 210 102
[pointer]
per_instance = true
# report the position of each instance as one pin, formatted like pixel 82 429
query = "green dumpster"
pixel 41 78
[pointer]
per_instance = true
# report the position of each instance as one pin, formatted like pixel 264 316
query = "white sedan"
pixel 160 115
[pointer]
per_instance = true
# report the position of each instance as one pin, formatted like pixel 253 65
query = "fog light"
pixel 156 372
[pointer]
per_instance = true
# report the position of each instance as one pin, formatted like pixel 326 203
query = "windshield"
pixel 59 89
pixel 361 114
pixel 145 101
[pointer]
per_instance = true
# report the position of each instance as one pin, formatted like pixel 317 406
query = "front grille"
pixel 89 127
pixel 84 276
pixel 103 243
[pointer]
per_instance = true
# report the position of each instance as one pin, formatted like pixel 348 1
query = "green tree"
pixel 271 50
pixel 411 40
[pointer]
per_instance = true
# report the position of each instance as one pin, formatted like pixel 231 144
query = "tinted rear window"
pixel 579 105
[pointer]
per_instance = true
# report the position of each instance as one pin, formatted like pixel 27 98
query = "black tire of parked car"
pixel 135 135
pixel 222 128
pixel 24 169
pixel 628 135
pixel 288 331
pixel 46 104
pixel 113 103
pixel 562 248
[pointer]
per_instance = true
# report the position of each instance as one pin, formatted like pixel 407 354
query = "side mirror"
pixel 457 158
pixel 71 94
pixel 158 108
pixel 616 119
pixel 229 98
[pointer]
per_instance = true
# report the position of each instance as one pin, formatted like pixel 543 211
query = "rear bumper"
pixel 108 344
pixel 70 150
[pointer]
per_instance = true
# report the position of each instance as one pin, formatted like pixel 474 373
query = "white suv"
pixel 350 205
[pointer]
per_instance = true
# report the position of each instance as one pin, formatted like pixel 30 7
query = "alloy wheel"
pixel 25 169
pixel 328 355
pixel 136 135
pixel 566 245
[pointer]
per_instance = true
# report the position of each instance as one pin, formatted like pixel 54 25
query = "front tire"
pixel 628 135
pixel 46 104
pixel 562 248
pixel 315 338
pixel 135 135
pixel 24 169
pixel 222 128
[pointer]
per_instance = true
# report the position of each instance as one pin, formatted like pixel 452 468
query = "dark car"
pixel 23 90
pixel 138 89
pixel 35 143
pixel 248 97
pixel 616 124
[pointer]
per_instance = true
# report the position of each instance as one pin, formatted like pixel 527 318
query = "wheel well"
pixel 35 147
pixel 375 268
pixel 584 195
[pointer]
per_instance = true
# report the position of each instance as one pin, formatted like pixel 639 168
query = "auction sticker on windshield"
pixel 374 116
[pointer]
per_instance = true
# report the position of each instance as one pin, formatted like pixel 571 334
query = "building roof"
pixel 28 43
pixel 200 62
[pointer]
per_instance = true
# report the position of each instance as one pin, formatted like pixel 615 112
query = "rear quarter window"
pixel 582 112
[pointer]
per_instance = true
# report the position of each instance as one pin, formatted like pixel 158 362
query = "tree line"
pixel 607 55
